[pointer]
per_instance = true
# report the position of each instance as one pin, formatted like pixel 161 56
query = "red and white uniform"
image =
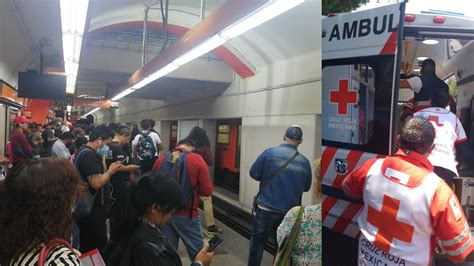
pixel 449 131
pixel 407 211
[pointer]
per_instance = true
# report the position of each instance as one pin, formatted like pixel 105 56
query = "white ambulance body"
pixel 364 54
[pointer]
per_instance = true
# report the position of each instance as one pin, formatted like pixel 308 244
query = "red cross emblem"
pixel 386 221
pixel 343 97
pixel 435 119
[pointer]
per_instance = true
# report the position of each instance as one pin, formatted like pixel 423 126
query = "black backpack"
pixel 146 147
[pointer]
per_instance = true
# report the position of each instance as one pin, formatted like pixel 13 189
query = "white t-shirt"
pixel 449 131
pixel 60 150
pixel 154 136
pixel 415 83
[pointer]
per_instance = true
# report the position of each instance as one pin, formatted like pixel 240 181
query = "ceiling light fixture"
pixel 421 58
pixel 122 94
pixel 272 9
pixel 73 22
pixel 91 112
pixel 430 42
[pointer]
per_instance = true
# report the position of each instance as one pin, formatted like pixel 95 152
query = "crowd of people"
pixel 86 177
pixel 66 182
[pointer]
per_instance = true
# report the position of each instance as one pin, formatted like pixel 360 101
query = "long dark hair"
pixel 133 201
pixel 36 205
pixel 199 136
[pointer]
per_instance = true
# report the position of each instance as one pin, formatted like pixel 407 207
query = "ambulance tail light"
pixel 439 19
pixel 409 18
pixel 332 14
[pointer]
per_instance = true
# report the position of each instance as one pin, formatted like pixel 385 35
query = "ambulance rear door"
pixel 361 69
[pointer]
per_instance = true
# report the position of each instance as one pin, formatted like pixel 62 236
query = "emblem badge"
pixel 341 166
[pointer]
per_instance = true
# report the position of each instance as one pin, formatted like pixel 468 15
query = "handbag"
pixel 283 255
pixel 85 203
pixel 269 181
pixel 48 248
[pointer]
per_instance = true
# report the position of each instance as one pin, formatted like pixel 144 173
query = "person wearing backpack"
pixel 145 146
pixel 190 170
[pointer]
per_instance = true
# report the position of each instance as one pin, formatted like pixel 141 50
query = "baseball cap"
pixel 294 132
pixel 21 119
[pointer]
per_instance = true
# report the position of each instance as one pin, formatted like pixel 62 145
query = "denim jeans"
pixel 265 225
pixel 188 230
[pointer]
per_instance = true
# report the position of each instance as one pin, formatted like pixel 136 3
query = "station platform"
pixel 232 251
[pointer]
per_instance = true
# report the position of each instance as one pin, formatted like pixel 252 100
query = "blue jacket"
pixel 286 190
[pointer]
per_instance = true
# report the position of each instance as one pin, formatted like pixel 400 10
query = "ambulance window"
pixel 455 45
pixel 356 103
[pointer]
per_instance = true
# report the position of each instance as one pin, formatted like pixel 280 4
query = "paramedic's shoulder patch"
pixel 453 204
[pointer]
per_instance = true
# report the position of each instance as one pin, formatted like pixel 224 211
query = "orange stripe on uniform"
pixel 346 216
pixel 352 159
pixel 328 203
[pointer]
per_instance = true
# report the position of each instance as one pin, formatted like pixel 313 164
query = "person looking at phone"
pixel 144 207
pixel 91 166
pixel 117 154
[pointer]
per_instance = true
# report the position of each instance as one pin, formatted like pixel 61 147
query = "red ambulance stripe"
pixel 346 216
pixel 352 158
pixel 326 160
pixel 390 46
pixel 328 203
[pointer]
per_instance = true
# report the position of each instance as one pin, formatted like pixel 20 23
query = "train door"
pixel 227 161
pixel 360 93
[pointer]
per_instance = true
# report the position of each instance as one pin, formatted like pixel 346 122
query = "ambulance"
pixel 364 55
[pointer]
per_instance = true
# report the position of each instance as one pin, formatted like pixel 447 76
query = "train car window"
pixel 357 95
pixel 455 45
pixel 223 134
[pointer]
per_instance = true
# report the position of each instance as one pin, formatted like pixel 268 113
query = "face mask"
pixel 103 151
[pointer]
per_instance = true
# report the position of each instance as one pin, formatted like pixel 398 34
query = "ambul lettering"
pixel 364 27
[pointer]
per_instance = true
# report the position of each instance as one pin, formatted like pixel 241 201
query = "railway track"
pixel 238 220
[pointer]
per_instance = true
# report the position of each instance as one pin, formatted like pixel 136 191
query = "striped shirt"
pixel 60 256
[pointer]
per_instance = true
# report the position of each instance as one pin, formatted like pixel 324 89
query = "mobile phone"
pixel 214 242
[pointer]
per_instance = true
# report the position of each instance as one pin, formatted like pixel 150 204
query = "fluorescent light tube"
pixel 91 112
pixel 73 15
pixel 265 13
pixel 73 23
pixel 203 48
pixel 430 42
pixel 142 83
pixel 162 72
pixel 122 94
